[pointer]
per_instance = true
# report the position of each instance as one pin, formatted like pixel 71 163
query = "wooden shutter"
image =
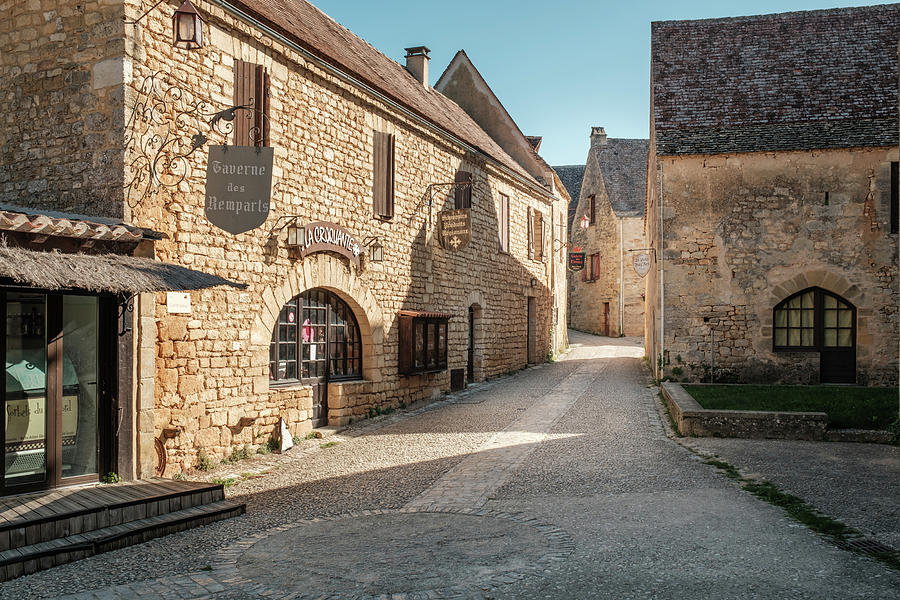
pixel 504 223
pixel 251 90
pixel 383 175
pixel 595 266
pixel 463 193
pixel 585 271
pixel 895 197
pixel 530 234
pixel 406 344
pixel 538 236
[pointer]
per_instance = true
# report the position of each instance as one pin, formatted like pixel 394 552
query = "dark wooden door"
pixel 606 318
pixel 837 365
pixel 530 342
pixel 837 332
pixel 470 364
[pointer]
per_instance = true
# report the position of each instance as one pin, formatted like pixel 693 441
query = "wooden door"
pixel 606 319
pixel 837 332
pixel 314 352
pixel 470 354
pixel 530 342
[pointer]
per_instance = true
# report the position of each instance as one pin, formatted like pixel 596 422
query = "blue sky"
pixel 558 67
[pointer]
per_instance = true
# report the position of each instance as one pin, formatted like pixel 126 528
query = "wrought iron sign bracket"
pixel 650 250
pixel 428 200
pixel 126 308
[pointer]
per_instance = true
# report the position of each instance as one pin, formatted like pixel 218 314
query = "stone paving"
pixel 557 482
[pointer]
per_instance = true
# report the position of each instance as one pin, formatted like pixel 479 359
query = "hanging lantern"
pixel 376 251
pixel 584 222
pixel 295 235
pixel 187 27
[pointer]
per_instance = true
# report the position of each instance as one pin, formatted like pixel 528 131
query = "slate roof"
pixel 321 35
pixel 571 177
pixel 623 164
pixel 790 81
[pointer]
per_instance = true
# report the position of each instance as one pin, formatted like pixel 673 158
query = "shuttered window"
pixel 462 194
pixel 895 197
pixel 383 164
pixel 423 342
pixel 530 222
pixel 504 223
pixel 251 91
pixel 595 267
pixel 586 272
pixel 538 235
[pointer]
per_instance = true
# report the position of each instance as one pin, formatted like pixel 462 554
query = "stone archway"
pixel 330 273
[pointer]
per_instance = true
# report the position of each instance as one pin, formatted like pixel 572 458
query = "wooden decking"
pixel 39 531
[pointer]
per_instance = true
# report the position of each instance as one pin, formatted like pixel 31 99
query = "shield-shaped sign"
pixel 238 187
pixel 641 262
pixel 576 261
pixel 456 228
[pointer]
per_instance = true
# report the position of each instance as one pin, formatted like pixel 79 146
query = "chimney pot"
pixel 417 63
pixel 598 137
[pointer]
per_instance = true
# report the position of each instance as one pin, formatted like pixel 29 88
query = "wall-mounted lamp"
pixel 376 250
pixel 296 235
pixel 584 222
pixel 533 282
pixel 187 26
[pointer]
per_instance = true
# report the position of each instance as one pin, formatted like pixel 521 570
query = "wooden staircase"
pixel 39 531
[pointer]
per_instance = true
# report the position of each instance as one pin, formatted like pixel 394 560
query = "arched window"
pixel 814 319
pixel 317 337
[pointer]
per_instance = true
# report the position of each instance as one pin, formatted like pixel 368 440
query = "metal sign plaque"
pixel 641 263
pixel 455 228
pixel 238 187
pixel 576 261
pixel 322 236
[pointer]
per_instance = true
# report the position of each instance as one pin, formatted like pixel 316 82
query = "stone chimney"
pixel 417 63
pixel 598 137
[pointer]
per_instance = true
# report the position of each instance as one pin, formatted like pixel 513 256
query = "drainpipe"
pixel 662 273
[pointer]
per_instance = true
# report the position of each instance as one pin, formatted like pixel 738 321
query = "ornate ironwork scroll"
pixel 166 126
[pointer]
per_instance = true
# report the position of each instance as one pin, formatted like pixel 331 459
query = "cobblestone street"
pixel 555 482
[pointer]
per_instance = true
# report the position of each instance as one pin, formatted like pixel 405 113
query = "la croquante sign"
pixel 238 187
pixel 322 236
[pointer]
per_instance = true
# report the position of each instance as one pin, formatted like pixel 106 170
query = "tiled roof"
pixel 62 226
pixel 571 177
pixel 321 35
pixel 799 80
pixel 623 164
pixel 535 141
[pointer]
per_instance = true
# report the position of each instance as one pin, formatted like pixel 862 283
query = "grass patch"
pixel 847 407
pixel 224 481
pixel 328 444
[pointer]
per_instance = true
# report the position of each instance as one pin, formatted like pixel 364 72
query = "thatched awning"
pixel 112 273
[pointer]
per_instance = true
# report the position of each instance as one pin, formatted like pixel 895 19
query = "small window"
pixel 504 223
pixel 895 197
pixel 423 342
pixel 462 192
pixel 251 91
pixel 383 175
pixel 592 209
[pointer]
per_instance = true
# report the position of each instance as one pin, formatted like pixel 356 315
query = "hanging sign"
pixel 238 187
pixel 576 261
pixel 455 228
pixel 641 262
pixel 322 236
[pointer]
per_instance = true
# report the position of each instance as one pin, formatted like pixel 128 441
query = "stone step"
pixel 15 562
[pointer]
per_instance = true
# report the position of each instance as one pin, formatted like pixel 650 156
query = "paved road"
pixel 557 482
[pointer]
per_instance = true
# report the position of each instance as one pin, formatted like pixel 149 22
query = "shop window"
pixel 383 176
pixel 814 319
pixel 423 342
pixel 462 192
pixel 504 223
pixel 251 90
pixel 316 336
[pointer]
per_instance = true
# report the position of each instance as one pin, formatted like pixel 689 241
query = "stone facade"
pixel 609 300
pixel 201 380
pixel 738 229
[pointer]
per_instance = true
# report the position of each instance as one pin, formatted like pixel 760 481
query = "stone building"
pixel 373 244
pixel 772 205
pixel 607 194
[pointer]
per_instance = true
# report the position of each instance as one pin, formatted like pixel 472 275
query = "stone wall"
pixel 744 232
pixel 61 134
pixel 212 365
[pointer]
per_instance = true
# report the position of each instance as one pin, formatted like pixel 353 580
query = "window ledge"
pixel 293 384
